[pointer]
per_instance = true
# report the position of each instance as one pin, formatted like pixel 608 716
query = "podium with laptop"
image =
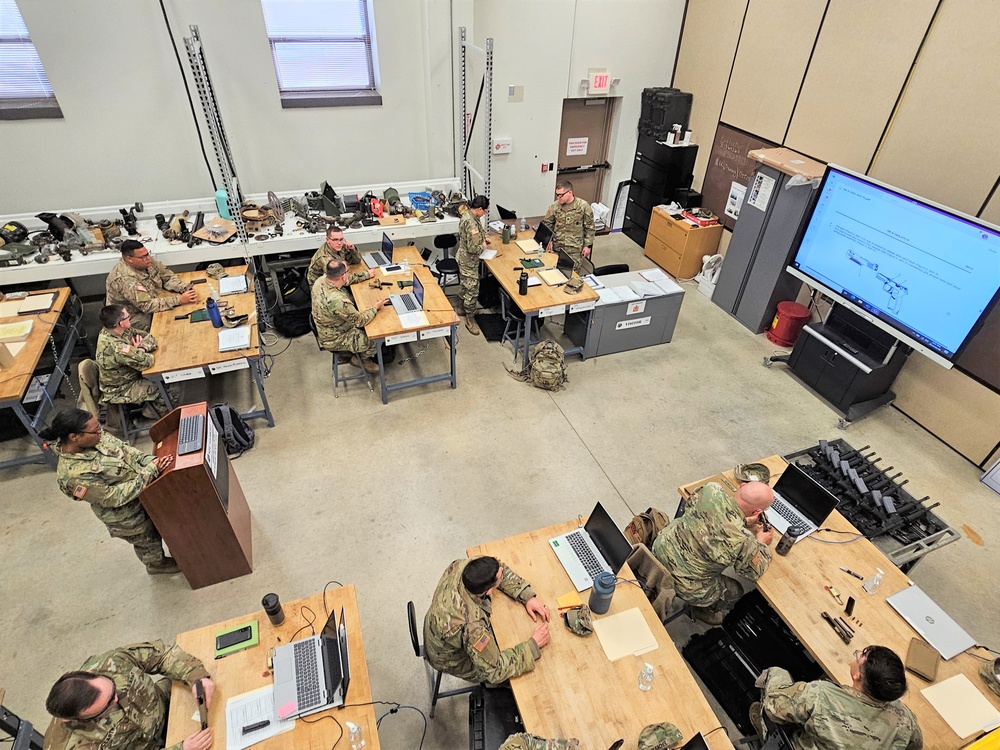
pixel 197 503
pixel 795 587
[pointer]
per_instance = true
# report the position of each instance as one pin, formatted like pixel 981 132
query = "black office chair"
pixel 505 213
pixel 612 268
pixel 446 266
pixel 339 358
pixel 514 321
pixel 418 650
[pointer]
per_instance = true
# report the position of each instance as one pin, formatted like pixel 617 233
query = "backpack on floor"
pixel 547 366
pixel 237 435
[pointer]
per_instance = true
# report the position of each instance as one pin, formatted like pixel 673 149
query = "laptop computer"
pixel 233 339
pixel 234 284
pixel 599 547
pixel 799 500
pixel 409 307
pixel 542 235
pixel 562 273
pixel 696 743
pixel 313 674
pixel 931 622
pixel 381 257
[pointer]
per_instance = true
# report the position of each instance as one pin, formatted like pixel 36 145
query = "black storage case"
pixel 663 107
pixel 493 717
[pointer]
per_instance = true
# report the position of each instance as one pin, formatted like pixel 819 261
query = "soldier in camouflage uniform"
pixel 571 220
pixel 123 353
pixel 100 469
pixel 137 281
pixel 866 715
pixel 524 741
pixel 339 325
pixel 113 703
pixel 660 736
pixel 716 531
pixel 336 248
pixel 472 240
pixel 458 636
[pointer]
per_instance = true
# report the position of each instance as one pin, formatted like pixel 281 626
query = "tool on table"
pixel 834 593
pixel 849 609
pixel 838 628
pixel 852 573
pixel 255 726
pixel 202 704
pixel 764 523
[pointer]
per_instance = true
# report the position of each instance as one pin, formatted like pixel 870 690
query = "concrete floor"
pixel 386 496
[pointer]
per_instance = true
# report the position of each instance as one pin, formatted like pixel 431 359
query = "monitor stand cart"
pixel 848 361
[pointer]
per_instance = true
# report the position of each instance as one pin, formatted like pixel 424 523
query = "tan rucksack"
pixel 644 527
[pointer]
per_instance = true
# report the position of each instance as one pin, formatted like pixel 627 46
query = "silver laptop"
pixel 599 547
pixel 799 500
pixel 313 674
pixel 234 339
pixel 409 307
pixel 382 257
pixel 933 623
pixel 234 284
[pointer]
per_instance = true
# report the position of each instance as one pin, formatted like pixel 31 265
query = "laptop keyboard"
pixel 380 259
pixel 409 303
pixel 584 554
pixel 306 675
pixel 786 512
pixel 189 439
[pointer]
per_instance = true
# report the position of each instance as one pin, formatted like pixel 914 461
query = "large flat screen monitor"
pixel 925 273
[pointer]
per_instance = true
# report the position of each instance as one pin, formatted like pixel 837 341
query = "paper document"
pixel 624 634
pixel 488 254
pixel 593 282
pixel 668 286
pixel 497 226
pixel 653 274
pixel 534 281
pixel 251 708
pixel 528 246
pixel 645 288
pixel 625 293
pixel 962 705
pixel 11 332
pixel 608 296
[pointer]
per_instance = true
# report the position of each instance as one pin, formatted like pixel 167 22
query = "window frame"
pixel 28 107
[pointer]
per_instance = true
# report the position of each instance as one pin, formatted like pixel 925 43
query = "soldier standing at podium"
pixel 100 469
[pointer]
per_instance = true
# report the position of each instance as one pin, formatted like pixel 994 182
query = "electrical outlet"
pixel 545 167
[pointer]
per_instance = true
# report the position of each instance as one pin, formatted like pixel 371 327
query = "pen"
pixel 852 573
pixel 258 725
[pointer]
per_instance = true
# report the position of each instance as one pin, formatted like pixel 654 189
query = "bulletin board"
pixel 729 163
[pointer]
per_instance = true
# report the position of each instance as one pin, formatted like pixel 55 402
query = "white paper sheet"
pixel 250 708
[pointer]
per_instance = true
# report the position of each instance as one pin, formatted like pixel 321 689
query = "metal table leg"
pixel 258 377
pixel 381 369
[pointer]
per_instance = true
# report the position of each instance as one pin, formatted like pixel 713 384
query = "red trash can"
pixel 787 323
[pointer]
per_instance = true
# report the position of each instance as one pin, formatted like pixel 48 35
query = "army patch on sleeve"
pixel 756 560
pixel 473 231
pixel 482 643
pixel 141 288
pixel 126 348
pixel 79 492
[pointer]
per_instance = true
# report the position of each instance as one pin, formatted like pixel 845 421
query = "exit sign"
pixel 600 81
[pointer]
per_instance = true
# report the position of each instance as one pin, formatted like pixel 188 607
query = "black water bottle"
pixel 272 607
pixel 784 545
pixel 522 283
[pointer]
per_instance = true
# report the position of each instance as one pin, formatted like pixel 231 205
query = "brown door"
pixel 583 145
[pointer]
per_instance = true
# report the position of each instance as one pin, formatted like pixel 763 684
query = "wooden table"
pixel 14 381
pixel 186 350
pixel 386 328
pixel 794 587
pixel 542 300
pixel 247 670
pixel 574 690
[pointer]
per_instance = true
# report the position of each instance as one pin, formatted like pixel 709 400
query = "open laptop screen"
pixel 608 538
pixel 386 247
pixel 418 291
pixel 565 263
pixel 811 499
pixel 542 235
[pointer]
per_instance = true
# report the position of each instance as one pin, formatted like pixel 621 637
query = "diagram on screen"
pixel 893 287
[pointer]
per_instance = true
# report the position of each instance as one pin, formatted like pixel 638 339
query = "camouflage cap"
pixel 660 737
pixel 573 286
pixel 579 620
pixel 990 672
pixel 215 271
pixel 752 473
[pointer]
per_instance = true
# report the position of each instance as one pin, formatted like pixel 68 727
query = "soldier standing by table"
pixel 340 327
pixel 571 220
pixel 100 469
pixel 136 282
pixel 472 240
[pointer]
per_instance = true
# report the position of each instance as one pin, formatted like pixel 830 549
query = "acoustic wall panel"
pixel 858 68
pixel 943 143
pixel 704 61
pixel 774 50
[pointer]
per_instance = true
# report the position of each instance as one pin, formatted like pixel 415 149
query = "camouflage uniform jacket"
pixel 120 364
pixel 831 717
pixel 317 266
pixel 109 476
pixel 572 225
pixel 707 539
pixel 337 318
pixel 458 636
pixel 523 741
pixel 139 720
pixel 470 238
pixel 138 290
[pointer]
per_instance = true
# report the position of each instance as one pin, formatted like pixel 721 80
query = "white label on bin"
pixel 435 333
pixel 401 338
pixel 237 364
pixel 634 308
pixel 548 312
pixel 583 306
pixel 192 373
pixel 623 324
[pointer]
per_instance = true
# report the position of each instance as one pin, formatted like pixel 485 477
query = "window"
pixel 323 52
pixel 25 92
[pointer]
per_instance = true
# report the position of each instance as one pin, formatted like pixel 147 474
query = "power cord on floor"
pixel 396 709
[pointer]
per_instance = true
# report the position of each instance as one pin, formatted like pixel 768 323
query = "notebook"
pixel 234 284
pixel 12 332
pixel 36 303
pixel 233 339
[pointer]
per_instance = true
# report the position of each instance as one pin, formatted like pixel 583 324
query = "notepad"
pixel 12 332
pixel 653 274
pixel 233 339
pixel 528 246
pixel 572 599
pixel 625 634
pixel 36 303
pixel 552 276
pixel 488 254
pixel 645 288
pixel 962 706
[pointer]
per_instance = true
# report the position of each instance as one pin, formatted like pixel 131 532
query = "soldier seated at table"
pixel 340 327
pixel 336 248
pixel 123 352
pixel 827 716
pixel 458 636
pixel 114 703
pixel 138 281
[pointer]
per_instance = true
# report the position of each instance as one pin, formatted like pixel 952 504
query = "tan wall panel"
pixel 992 211
pixel 960 411
pixel 770 62
pixel 708 46
pixel 859 66
pixel 943 141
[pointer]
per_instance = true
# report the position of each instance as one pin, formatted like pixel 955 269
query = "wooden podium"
pixel 198 505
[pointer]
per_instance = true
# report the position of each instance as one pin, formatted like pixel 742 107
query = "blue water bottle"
pixel 213 312
pixel 600 595
pixel 222 203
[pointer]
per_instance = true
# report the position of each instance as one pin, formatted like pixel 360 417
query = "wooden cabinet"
pixel 677 246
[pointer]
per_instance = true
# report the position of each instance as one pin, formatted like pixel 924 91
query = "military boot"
pixel 471 325
pixel 371 366
pixel 167 566
pixel 708 615
pixel 356 361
